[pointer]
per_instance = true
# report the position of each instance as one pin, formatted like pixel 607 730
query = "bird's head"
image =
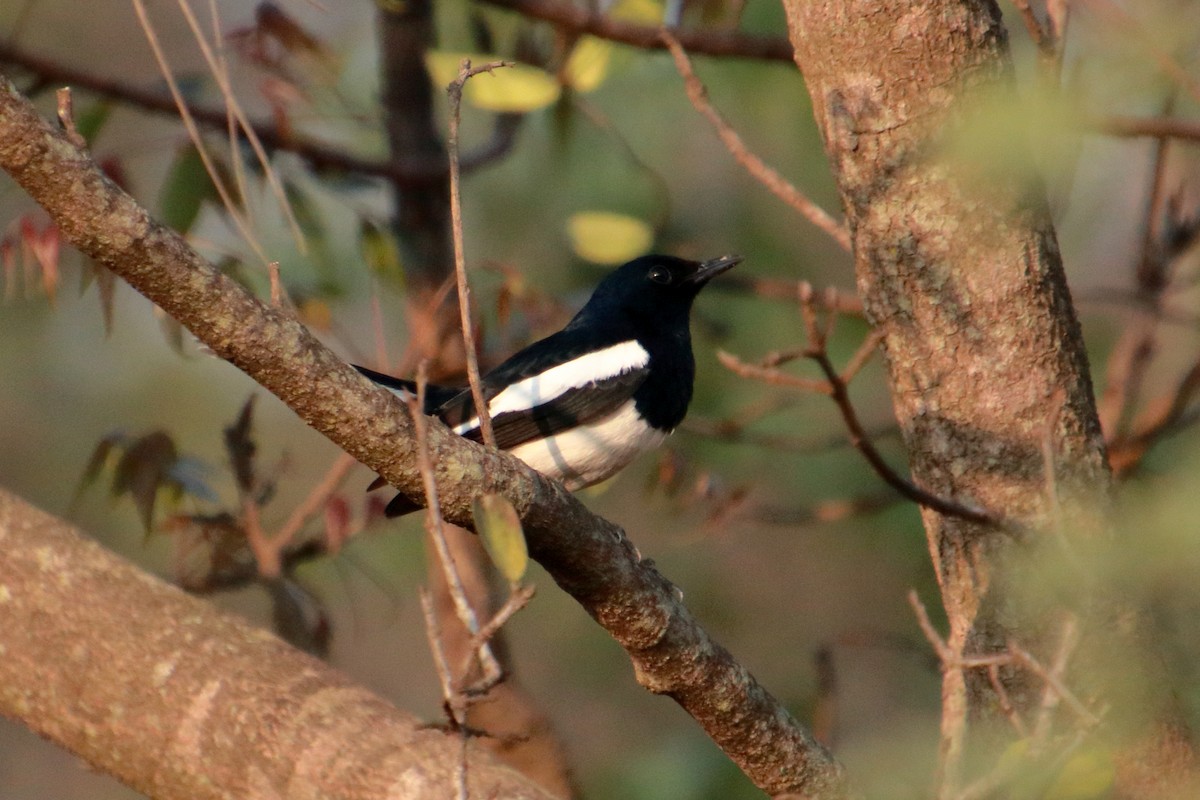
pixel 656 285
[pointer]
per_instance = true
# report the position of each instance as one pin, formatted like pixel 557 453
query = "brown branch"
pixel 488 663
pixel 1158 127
pixel 775 377
pixel 169 677
pixel 581 19
pixel 455 90
pixel 782 188
pixel 407 170
pixel 588 557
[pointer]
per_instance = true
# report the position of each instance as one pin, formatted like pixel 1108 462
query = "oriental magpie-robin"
pixel 582 403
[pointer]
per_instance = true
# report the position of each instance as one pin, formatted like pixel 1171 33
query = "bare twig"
pixel 758 169
pixel 862 355
pixel 775 377
pixel 1159 127
pixel 194 133
pixel 517 600
pixel 952 731
pixel 840 393
pixel 66 117
pixel 1055 689
pixel 411 171
pixel 220 74
pixel 1005 702
pixel 944 653
pixel 433 525
pixel 580 19
pixel 455 89
pixel 316 500
pixel 453 700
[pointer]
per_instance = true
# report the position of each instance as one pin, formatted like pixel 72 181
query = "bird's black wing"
pixel 576 406
pixel 587 400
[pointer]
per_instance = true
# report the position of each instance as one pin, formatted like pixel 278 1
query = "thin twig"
pixel 517 599
pixel 1055 689
pixel 66 117
pixel 1158 127
pixel 266 554
pixel 441 665
pixel 858 436
pixel 586 18
pixel 758 169
pixel 318 155
pixel 944 653
pixel 455 90
pixel 433 524
pixel 317 498
pixel 1006 706
pixel 862 355
pixel 774 377
pixel 189 124
pixel 221 76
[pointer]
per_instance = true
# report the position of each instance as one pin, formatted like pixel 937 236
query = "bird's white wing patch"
pixel 544 387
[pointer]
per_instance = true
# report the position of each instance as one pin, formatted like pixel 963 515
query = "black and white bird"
pixel 582 403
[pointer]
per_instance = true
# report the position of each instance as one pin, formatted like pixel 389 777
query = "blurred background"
pixel 785 544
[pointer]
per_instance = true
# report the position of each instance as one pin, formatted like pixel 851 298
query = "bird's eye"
pixel 660 275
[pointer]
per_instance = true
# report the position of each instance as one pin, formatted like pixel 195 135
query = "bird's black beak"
pixel 712 268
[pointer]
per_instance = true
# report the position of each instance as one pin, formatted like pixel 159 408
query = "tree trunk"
pixel 958 266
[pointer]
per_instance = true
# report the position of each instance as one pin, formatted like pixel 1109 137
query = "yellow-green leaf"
pixel 516 89
pixel 649 12
pixel 607 238
pixel 588 65
pixel 499 527
pixel 1088 775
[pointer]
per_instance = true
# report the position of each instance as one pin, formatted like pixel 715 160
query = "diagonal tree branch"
pixel 146 682
pixel 587 556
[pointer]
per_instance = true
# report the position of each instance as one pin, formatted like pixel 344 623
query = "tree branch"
pixel 409 171
pixel 580 19
pixel 147 683
pixel 587 556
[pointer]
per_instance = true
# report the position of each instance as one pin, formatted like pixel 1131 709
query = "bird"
pixel 582 403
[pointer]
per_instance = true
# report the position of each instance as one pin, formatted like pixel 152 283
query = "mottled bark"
pixel 179 700
pixel 958 265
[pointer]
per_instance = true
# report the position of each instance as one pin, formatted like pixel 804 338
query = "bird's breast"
pixel 590 453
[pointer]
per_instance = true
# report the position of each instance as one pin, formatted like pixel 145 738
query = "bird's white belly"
pixel 590 453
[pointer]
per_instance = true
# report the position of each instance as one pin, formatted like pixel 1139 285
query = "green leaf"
pixel 603 237
pixel 499 527
pixel 517 89
pixel 186 188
